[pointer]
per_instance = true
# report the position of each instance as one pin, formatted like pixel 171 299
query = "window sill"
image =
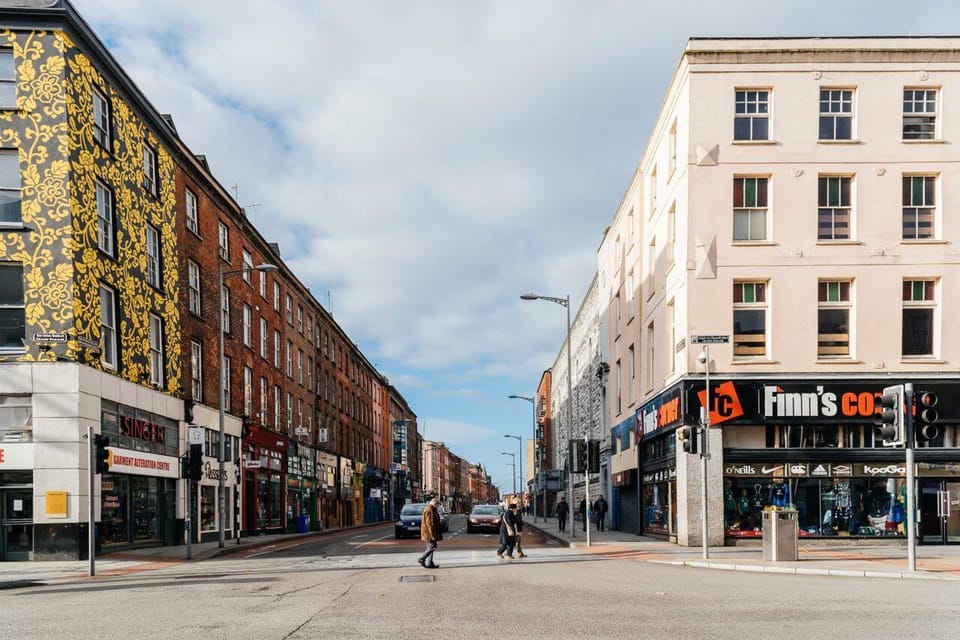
pixel 838 361
pixel 754 243
pixel 13 226
pixel 835 243
pixel 921 360
pixel 933 141
pixel 754 142
pixel 923 241
pixel 853 141
pixel 749 361
pixel 12 351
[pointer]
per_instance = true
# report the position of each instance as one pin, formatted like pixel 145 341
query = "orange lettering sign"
pixel 1 456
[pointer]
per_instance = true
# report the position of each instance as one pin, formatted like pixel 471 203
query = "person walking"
pixel 600 511
pixel 562 511
pixel 430 533
pixel 508 532
pixel 519 536
pixel 582 512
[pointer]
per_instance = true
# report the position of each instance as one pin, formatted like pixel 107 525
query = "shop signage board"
pixel 251 464
pixel 141 463
pixel 16 456
pixel 801 402
pixel 49 338
pixel 88 343
pixel 820 469
pixel 711 339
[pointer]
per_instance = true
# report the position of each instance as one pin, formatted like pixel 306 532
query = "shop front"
pixel 658 420
pixel 327 468
pixel 138 494
pixel 346 506
pixel 374 493
pixel 811 445
pixel 264 481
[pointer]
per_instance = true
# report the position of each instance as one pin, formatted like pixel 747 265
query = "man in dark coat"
pixel 582 510
pixel 563 510
pixel 430 533
pixel 508 532
pixel 600 511
pixel 519 537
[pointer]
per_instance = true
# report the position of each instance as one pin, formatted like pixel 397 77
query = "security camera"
pixel 702 357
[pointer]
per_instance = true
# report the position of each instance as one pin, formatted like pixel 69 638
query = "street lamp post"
pixel 523 480
pixel 221 502
pixel 513 473
pixel 536 467
pixel 565 302
pixel 704 359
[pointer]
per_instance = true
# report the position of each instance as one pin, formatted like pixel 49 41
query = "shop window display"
pixel 208 507
pixel 825 507
pixel 656 512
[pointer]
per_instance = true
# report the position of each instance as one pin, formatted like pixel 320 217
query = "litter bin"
pixel 779 535
pixel 302 524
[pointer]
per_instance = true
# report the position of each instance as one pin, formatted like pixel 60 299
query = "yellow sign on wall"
pixel 56 504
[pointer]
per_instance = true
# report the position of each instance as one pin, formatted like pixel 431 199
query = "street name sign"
pixel 718 339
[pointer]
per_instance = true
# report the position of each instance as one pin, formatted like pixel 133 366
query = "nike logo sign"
pixel 770 469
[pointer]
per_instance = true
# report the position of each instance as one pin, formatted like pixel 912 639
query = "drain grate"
pixel 417 578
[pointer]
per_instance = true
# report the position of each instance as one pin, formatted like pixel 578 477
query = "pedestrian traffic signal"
pixel 687 437
pixel 195 462
pixel 101 454
pixel 578 456
pixel 891 429
pixel 927 415
pixel 188 410
pixel 593 456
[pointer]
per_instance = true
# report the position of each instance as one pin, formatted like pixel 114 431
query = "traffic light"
pixel 593 456
pixel 101 455
pixel 195 462
pixel 927 415
pixel 891 429
pixel 687 437
pixel 578 456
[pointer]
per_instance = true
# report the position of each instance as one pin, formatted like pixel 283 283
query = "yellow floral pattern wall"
pixel 53 129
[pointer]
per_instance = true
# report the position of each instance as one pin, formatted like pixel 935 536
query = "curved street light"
pixel 565 302
pixel 514 465
pixel 536 481
pixel 221 506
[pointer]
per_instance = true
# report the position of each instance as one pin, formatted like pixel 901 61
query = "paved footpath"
pixel 861 558
pixel 855 559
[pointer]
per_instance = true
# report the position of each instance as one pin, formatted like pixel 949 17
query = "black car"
pixel 484 517
pixel 408 524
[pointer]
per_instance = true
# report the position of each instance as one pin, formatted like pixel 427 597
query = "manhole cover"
pixel 417 578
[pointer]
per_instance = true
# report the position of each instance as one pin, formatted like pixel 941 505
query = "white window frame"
pixel 102 128
pixel 264 401
pixel 289 361
pixel 299 366
pixel 926 302
pixel 106 221
pixel 153 256
pixel 920 210
pixel 751 210
pixel 225 390
pixel 108 328
pixel 836 104
pixel 15 306
pixel 194 299
pixel 277 418
pixel 223 234
pixel 156 350
pixel 836 294
pixel 196 370
pixel 193 220
pixel 276 296
pixel 749 351
pixel 8 79
pixel 247 326
pixel 924 111
pixel 835 210
pixel 247 391
pixel 247 268
pixel 761 111
pixel 277 349
pixel 264 339
pixel 11 192
pixel 149 169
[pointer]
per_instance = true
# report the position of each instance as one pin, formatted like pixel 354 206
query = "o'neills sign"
pixel 141 429
pixel 140 463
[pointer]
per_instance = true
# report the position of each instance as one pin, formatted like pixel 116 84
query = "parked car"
pixel 408 523
pixel 484 517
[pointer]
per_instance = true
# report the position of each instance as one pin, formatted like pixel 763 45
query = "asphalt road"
pixel 365 584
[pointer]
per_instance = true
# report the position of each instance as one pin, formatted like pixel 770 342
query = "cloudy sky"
pixel 422 164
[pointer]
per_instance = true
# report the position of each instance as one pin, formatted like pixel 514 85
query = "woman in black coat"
pixel 508 532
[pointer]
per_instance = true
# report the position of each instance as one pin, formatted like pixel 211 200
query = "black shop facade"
pixel 811 444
